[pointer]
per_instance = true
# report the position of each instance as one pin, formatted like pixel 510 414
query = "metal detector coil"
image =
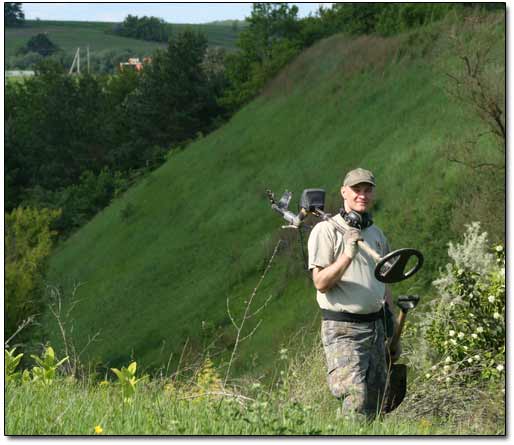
pixel 391 268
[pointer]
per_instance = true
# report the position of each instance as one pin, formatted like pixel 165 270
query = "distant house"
pixel 135 63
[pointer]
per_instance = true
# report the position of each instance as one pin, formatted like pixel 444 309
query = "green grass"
pixel 201 229
pixel 66 408
pixel 70 35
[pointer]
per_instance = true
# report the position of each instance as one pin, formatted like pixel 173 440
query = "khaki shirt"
pixel 358 291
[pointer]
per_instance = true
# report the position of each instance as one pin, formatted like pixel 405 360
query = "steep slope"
pixel 157 266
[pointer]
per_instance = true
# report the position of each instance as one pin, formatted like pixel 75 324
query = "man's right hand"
pixel 350 239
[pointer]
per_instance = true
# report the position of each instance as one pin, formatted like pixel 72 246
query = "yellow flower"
pixel 424 423
pixel 98 429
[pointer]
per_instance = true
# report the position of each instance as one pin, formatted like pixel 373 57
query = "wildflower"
pixel 480 329
pixel 477 357
pixel 256 385
pixel 496 315
pixel 499 368
pixel 98 429
pixel 448 379
pixel 474 335
pixel 470 360
pixel 446 368
pixel 451 333
pixel 434 368
pixel 104 383
pixel 465 348
pixel 427 375
pixel 424 423
pixel 498 248
pixel 283 351
pixel 453 341
pixel 445 342
pixel 472 315
pixel 461 335
pixel 448 359
pixel 490 298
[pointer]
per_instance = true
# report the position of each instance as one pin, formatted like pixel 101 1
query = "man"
pixel 352 300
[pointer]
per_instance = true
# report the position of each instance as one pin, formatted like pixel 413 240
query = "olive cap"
pixel 357 176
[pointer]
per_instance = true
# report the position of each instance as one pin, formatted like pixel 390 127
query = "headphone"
pixel 357 220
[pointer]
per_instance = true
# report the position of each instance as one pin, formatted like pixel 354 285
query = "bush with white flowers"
pixel 467 325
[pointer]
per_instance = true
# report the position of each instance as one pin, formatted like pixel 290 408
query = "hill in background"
pixel 69 35
pixel 156 267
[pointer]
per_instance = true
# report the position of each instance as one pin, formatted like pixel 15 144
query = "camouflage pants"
pixel 356 363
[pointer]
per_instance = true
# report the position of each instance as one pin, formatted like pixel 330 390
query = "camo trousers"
pixel 356 363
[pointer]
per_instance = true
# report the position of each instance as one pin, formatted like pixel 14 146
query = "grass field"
pixel 200 405
pixel 71 35
pixel 157 266
pixel 155 411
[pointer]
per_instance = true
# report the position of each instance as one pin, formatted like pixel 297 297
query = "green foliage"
pixel 45 371
pixel 175 100
pixel 79 153
pixel 11 362
pixel 266 45
pixel 28 242
pixel 145 28
pixel 163 407
pixel 13 14
pixel 468 329
pixel 127 380
pixel 40 44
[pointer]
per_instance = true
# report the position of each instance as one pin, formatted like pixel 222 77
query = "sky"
pixel 171 12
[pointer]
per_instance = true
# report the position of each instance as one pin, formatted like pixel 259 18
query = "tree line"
pixel 144 28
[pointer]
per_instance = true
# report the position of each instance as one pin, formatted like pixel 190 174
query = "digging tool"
pixel 396 386
pixel 389 269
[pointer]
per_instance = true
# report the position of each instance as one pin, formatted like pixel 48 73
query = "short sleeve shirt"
pixel 358 291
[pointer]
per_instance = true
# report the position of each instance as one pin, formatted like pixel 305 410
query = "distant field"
pixel 70 35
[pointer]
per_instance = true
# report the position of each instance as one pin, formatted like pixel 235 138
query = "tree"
pixel 13 14
pixel 145 28
pixel 173 103
pixel 272 38
pixel 41 44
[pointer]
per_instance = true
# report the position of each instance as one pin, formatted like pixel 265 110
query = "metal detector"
pixel 389 269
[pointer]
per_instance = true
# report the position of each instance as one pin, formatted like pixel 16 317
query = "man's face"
pixel 358 197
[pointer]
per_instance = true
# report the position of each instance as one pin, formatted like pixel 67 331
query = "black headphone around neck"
pixel 357 220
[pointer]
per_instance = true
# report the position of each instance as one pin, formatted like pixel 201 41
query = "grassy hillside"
pixel 69 35
pixel 157 266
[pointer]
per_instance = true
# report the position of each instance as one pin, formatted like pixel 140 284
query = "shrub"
pixel 41 44
pixel 28 242
pixel 468 328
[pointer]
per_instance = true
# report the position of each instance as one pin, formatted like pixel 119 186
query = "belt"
pixel 356 318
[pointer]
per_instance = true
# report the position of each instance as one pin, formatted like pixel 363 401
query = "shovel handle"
pixel 398 331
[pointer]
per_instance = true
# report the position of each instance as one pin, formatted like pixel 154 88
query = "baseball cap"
pixel 357 176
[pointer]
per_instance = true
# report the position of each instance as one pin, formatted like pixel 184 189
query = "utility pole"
pixel 76 62
pixel 77 55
